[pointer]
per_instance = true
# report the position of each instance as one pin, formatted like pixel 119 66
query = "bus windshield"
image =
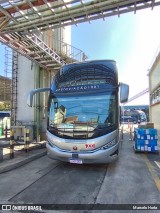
pixel 84 116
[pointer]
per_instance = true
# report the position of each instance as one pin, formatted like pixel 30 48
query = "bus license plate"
pixel 77 161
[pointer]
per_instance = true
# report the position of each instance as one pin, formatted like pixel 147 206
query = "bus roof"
pixel 111 64
pixel 102 61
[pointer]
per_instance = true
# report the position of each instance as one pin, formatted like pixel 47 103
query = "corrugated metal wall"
pixel 155 75
pixel 154 84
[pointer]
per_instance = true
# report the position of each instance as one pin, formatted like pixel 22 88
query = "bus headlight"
pixel 109 144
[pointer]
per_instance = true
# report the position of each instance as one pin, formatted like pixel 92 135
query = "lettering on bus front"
pixel 77 88
pixel 90 146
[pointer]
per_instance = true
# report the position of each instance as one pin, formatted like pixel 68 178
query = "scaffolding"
pixel 14 89
pixel 5 86
pixel 8 63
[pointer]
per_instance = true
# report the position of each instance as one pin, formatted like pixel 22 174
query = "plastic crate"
pixel 146 140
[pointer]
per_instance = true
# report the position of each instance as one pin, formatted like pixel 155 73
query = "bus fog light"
pixel 109 144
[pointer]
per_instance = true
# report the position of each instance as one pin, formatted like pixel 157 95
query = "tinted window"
pixel 82 116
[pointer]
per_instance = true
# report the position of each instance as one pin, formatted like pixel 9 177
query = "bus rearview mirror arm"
pixel 33 92
pixel 124 92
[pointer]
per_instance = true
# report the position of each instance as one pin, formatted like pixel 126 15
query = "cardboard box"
pixel 148 125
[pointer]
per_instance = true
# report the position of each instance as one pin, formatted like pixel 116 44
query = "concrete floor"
pixel 133 179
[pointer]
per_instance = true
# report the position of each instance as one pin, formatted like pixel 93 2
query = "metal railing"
pixel 58 49
pixel 73 53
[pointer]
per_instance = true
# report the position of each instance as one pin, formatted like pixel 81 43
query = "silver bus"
pixel 83 112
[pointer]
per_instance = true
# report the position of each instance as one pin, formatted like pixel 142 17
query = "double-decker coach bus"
pixel 83 112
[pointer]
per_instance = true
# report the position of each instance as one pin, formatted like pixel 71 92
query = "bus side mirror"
pixel 32 93
pixel 124 92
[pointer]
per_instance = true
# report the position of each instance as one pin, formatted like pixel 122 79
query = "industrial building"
pixel 5 89
pixel 154 90
pixel 27 76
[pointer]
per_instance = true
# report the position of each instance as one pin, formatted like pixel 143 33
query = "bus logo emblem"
pixel 75 148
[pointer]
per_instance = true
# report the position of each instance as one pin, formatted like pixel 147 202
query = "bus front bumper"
pixel 98 156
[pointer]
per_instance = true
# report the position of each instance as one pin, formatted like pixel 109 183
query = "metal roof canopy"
pixel 21 20
pixel 27 16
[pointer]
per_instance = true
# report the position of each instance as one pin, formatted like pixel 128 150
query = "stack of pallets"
pixel 145 140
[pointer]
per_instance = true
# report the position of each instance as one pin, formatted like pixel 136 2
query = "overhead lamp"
pixel 49 5
pixel 35 8
pixel 21 12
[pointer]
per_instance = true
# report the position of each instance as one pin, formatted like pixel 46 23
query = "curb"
pixel 20 162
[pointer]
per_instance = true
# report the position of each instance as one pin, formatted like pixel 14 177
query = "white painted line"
pixel 157 163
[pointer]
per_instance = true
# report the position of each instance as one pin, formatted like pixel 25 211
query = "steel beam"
pixel 76 13
pixel 138 95
pixel 21 20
